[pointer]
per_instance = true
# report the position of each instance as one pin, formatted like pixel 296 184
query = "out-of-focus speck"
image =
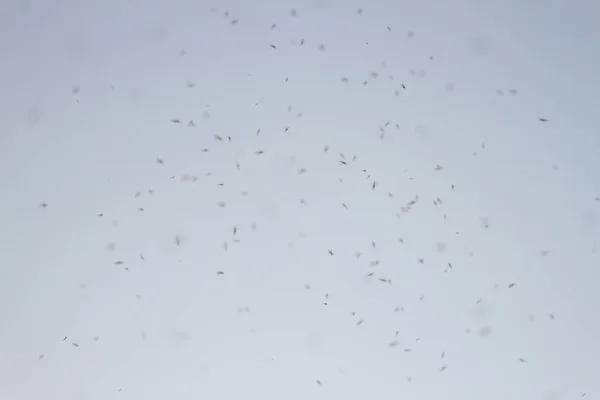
pixel 43 205
pixel 544 253
pixel 74 344
pixel 442 368
pixel 543 119
pixel 512 285
pixel 35 113
pixel 273 26
pixel 521 359
pixel 178 240
pixel 160 161
pixel 410 34
pixel 319 382
pixel 479 46
pixel 41 357
pixel 144 335
pixel 359 11
pixel 484 331
pixel 96 338
pixel 393 343
pixel 551 315
pixel 159 33
pixel 293 13
pixel 321 47
pixel 220 273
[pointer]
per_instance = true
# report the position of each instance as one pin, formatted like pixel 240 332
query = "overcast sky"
pixel 317 199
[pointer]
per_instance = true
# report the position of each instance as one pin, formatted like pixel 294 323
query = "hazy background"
pixel 145 259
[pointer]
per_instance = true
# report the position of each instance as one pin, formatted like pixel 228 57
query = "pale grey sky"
pixel 146 259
